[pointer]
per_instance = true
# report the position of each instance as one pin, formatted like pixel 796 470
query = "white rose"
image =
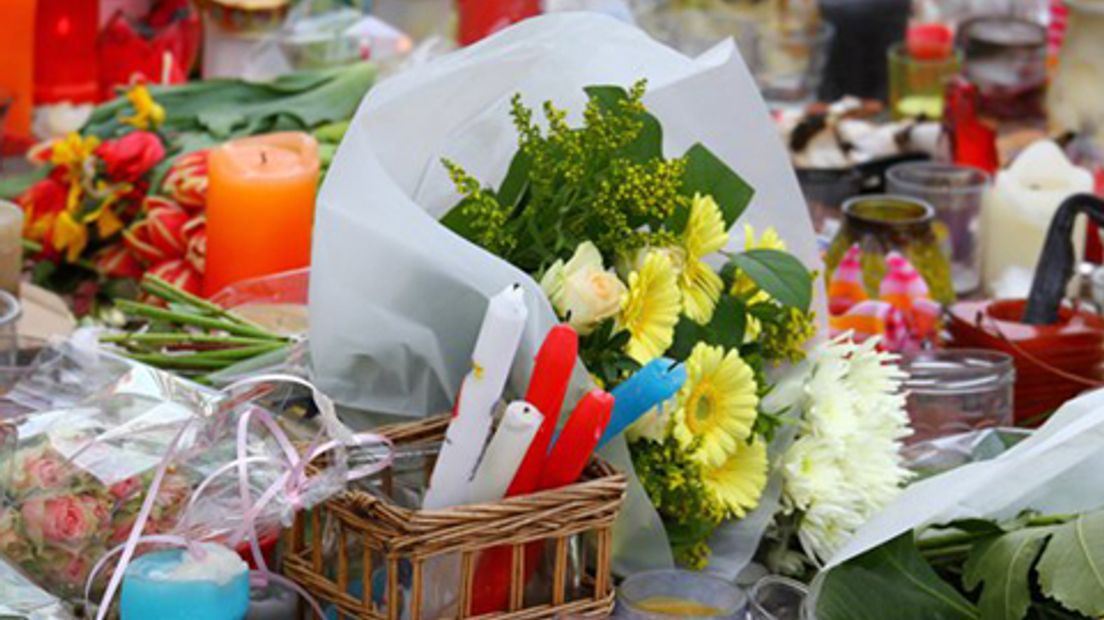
pixel 582 289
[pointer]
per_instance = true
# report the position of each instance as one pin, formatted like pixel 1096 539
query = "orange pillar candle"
pixel 260 207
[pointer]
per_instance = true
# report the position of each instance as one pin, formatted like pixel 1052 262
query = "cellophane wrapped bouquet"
pixel 629 246
pixel 73 479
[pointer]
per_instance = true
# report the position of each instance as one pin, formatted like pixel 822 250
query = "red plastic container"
pixel 1054 363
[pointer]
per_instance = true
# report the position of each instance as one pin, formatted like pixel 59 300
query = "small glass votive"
pixel 956 391
pixel 11 246
pixel 956 193
pixel 916 86
pixel 777 598
pixel 788 63
pixel 665 594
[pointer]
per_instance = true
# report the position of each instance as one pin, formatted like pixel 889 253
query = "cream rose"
pixel 582 290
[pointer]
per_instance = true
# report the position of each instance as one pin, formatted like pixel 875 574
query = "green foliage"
pixel 891 581
pixel 673 481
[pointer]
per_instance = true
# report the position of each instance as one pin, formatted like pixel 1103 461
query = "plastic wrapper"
pixel 396 299
pixel 1055 470
pixel 75 478
pixel 22 600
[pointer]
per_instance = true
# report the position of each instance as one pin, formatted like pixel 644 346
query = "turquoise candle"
pixel 653 384
pixel 175 585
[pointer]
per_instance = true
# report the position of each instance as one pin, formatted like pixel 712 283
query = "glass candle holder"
pixel 665 594
pixel 956 193
pixel 958 390
pixel 788 63
pixel 777 598
pixel 916 86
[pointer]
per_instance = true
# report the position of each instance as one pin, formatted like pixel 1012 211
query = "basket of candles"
pixel 474 518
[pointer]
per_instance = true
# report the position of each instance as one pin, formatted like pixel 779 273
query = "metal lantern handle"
pixel 1055 267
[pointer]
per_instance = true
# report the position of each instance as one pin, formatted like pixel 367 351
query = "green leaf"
pixel 781 275
pixel 1071 570
pixel 1003 563
pixel 649 143
pixel 708 175
pixel 890 581
pixel 516 184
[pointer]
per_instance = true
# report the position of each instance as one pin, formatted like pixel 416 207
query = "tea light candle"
pixel 179 584
pixel 491 361
pixel 653 384
pixel 500 462
pixel 11 246
pixel 1018 210
pixel 260 207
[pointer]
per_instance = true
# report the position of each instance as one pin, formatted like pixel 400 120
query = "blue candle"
pixel 651 385
pixel 176 585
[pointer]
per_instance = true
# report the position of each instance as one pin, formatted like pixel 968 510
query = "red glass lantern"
pixel 65 67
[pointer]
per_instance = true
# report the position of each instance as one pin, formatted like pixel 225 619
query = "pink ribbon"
pixel 293 481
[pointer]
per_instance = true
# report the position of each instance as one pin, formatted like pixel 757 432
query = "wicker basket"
pixel 365 528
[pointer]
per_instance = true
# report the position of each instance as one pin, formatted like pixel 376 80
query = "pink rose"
pixel 126 489
pixel 42 471
pixel 64 520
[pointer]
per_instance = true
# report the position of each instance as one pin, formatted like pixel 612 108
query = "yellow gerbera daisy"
pixel 738 482
pixel 705 234
pixel 717 403
pixel 650 308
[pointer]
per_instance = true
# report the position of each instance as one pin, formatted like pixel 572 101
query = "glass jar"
pixel 663 594
pixel 956 391
pixel 881 224
pixel 956 194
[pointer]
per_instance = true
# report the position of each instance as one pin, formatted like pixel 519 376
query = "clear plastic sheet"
pixel 73 481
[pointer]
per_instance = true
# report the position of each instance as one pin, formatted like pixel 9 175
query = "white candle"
pixel 467 433
pixel 1017 214
pixel 11 246
pixel 500 462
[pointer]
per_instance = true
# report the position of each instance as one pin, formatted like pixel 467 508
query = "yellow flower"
pixel 73 150
pixel 738 482
pixel 70 235
pixel 650 309
pixel 705 234
pixel 717 403
pixel 148 114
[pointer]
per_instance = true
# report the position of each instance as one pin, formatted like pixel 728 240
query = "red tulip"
pixel 116 261
pixel 166 229
pixel 180 274
pixel 186 181
pixel 132 156
pixel 137 240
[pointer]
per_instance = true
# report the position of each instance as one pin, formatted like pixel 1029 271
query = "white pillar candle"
pixel 467 433
pixel 1017 213
pixel 500 462
pixel 11 246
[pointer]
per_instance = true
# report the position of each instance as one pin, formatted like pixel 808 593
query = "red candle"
pixel 929 41
pixel 564 465
pixel 547 388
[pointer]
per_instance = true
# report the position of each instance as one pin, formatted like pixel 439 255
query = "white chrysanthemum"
pixel 845 465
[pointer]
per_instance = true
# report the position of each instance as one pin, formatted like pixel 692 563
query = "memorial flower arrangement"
pixel 631 248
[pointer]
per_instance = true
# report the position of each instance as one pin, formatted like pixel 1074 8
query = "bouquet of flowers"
pixel 620 238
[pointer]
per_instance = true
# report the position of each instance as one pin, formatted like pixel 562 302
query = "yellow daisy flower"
pixel 705 234
pixel 738 482
pixel 717 403
pixel 650 308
